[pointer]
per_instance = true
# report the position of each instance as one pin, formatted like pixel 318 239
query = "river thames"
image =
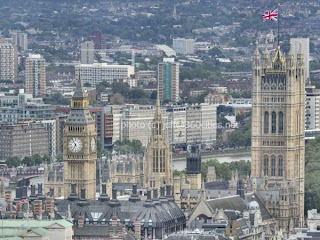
pixel 181 164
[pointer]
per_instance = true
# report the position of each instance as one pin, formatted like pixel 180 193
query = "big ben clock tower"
pixel 80 146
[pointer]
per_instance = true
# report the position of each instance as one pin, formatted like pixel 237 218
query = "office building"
pixel 20 39
pixel 183 46
pixel 10 100
pixel 36 111
pixel 312 108
pixel 136 123
pixel 87 52
pixel 51 127
pixel 278 132
pixel 102 72
pixel 176 125
pixel 168 80
pixel 99 40
pixel 201 124
pixel 8 61
pixel 35 81
pixel 305 48
pixel 23 139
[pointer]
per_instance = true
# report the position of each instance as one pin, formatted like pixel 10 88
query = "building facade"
pixel 8 61
pixel 20 39
pixel 176 125
pixel 202 124
pixel 87 52
pixel 35 75
pixel 102 72
pixel 312 108
pixel 21 140
pixel 278 126
pixel 168 80
pixel 158 157
pixel 304 44
pixel 183 46
pixel 80 146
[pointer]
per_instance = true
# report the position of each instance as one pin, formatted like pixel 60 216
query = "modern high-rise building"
pixel 158 158
pixel 312 108
pixel 51 127
pixel 80 147
pixel 87 52
pixel 278 131
pixel 305 47
pixel 35 81
pixel 176 125
pixel 168 80
pixel 202 124
pixel 23 139
pixel 183 46
pixel 99 39
pixel 8 61
pixel 20 39
pixel 102 72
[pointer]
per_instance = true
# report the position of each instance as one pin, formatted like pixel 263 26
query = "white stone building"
pixel 87 52
pixel 183 46
pixel 102 72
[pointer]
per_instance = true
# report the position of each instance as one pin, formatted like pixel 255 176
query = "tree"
pixel 46 159
pixel 312 173
pixel 224 170
pixel 37 159
pixel 87 84
pixel 59 158
pixel 126 146
pixel 13 161
pixel 122 88
pixel 28 161
pixel 215 52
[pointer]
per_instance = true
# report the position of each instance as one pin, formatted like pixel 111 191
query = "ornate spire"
pixel 279 62
pixel 300 60
pixel 266 57
pixel 256 58
pixel 79 92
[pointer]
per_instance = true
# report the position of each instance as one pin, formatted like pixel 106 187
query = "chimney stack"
pixel 37 209
pixel 73 195
pixel 103 196
pixel 134 196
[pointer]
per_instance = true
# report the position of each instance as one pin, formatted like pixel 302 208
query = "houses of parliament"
pixel 277 168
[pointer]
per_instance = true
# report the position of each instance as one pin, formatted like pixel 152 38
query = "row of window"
pixel 273 122
pixel 275 168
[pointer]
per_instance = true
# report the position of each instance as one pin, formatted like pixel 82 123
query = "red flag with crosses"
pixel 270 16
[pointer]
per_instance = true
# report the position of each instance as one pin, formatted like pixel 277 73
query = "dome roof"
pixel 253 205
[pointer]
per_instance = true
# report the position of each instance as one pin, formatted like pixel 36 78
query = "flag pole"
pixel 278 25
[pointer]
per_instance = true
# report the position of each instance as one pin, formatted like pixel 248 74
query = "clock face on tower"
pixel 75 144
pixel 93 144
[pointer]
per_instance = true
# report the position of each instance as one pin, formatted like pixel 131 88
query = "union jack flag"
pixel 24 201
pixel 271 15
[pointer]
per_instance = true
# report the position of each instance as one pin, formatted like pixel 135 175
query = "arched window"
pixel 266 165
pixel 273 165
pixel 274 122
pixel 266 122
pixel 280 122
pixel 280 166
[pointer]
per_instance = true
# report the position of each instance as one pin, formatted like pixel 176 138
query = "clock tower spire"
pixel 79 146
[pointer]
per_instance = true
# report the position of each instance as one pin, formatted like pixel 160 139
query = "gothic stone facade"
pixel 80 147
pixel 278 126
